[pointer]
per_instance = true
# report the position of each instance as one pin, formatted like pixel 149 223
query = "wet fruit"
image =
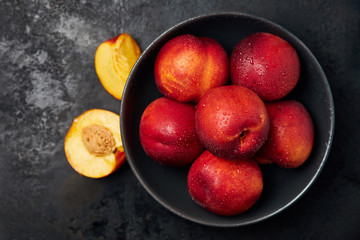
pixel 187 66
pixel 291 136
pixel 167 132
pixel 266 64
pixel 224 187
pixel 232 122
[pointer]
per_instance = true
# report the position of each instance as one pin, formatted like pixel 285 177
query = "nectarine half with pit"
pixel 93 145
pixel 291 135
pixel 114 60
pixel 266 64
pixel 167 132
pixel 232 122
pixel 187 66
pixel 224 187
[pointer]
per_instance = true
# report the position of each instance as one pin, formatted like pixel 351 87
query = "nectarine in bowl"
pixel 168 184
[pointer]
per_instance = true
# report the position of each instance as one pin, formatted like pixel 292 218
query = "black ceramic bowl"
pixel 282 187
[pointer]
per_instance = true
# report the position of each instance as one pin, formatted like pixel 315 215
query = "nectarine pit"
pixel 98 140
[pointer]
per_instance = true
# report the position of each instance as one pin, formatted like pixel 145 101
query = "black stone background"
pixel 47 78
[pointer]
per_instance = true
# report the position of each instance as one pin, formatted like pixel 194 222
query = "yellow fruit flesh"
pixel 78 155
pixel 114 61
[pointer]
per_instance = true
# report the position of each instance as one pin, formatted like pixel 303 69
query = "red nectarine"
pixel 232 122
pixel 266 64
pixel 224 187
pixel 291 135
pixel 167 132
pixel 187 66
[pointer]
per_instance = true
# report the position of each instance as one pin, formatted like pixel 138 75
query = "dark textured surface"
pixel 48 78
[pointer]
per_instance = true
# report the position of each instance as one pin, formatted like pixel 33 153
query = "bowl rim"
pixel 330 102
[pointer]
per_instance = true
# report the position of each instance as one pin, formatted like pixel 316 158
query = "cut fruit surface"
pixel 93 143
pixel 114 60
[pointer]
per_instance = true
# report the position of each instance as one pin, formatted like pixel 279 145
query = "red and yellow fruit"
pixel 291 135
pixel 188 66
pixel 266 64
pixel 167 132
pixel 224 187
pixel 93 145
pixel 114 60
pixel 232 122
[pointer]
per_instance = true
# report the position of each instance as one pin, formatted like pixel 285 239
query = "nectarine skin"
pixel 266 64
pixel 291 135
pixel 167 132
pixel 187 66
pixel 224 187
pixel 120 156
pixel 232 122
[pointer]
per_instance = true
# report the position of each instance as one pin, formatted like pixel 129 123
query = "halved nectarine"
pixel 114 60
pixel 93 143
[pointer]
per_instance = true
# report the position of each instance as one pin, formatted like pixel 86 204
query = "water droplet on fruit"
pixel 203 105
pixel 250 59
pixel 224 113
pixel 266 66
pixel 217 108
pixel 283 73
pixel 249 43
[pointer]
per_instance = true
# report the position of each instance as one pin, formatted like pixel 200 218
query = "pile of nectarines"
pixel 224 116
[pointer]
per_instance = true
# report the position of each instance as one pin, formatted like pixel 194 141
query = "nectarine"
pixel 232 122
pixel 167 132
pixel 114 60
pixel 291 135
pixel 93 145
pixel 187 66
pixel 266 64
pixel 224 187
